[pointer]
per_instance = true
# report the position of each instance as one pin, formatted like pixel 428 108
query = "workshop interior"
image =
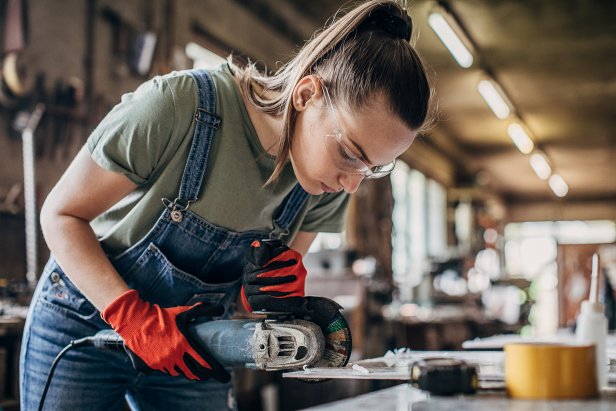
pixel 480 273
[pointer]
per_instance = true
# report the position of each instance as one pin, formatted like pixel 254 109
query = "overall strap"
pixel 206 123
pixel 292 206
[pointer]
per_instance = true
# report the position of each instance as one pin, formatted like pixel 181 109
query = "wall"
pixel 58 49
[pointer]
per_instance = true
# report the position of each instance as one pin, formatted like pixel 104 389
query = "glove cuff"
pixel 126 309
pixel 245 303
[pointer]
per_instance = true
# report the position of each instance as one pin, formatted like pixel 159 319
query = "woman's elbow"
pixel 49 216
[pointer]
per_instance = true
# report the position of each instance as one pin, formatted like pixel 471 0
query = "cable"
pixel 73 344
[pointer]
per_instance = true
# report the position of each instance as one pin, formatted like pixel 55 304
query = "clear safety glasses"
pixel 343 157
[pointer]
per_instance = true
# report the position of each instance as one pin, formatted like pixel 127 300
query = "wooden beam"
pixel 562 210
pixel 270 16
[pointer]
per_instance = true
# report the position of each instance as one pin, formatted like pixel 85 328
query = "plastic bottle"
pixel 592 324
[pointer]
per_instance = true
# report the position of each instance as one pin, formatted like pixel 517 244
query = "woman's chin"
pixel 312 188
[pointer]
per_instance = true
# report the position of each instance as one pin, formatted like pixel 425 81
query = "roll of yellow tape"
pixel 550 371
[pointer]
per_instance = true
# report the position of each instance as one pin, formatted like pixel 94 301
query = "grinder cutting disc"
pixel 326 314
pixel 337 343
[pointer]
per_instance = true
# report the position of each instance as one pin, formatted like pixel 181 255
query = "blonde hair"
pixel 355 60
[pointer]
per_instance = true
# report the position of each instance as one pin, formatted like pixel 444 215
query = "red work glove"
pixel 159 336
pixel 274 277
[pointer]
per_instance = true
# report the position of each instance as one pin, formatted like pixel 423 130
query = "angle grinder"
pixel 315 335
pixel 281 341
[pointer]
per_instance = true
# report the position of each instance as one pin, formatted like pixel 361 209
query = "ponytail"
pixel 364 52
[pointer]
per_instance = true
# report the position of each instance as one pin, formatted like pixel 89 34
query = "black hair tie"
pixel 383 19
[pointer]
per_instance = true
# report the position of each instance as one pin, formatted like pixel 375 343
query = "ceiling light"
pixel 541 166
pixel 494 96
pixel 450 39
pixel 558 185
pixel 520 138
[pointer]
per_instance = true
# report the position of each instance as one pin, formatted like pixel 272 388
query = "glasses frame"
pixel 368 172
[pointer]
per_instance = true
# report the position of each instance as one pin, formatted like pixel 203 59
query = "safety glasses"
pixel 343 157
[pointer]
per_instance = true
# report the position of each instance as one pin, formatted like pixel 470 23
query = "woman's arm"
pixel 85 191
pixel 302 241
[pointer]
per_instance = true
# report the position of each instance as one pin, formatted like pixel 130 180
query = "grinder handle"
pixel 109 340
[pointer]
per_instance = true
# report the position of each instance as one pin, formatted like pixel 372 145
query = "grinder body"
pixel 268 345
pixel 315 333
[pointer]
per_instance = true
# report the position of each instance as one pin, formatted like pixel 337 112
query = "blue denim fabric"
pixel 176 263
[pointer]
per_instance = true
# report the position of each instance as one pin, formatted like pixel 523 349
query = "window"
pixel 419 223
pixel 532 245
pixel 437 219
pixel 328 241
pixel 531 252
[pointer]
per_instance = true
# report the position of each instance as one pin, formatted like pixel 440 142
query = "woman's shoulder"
pixel 181 83
pixel 185 78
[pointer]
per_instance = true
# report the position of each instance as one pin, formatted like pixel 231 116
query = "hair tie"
pixel 393 24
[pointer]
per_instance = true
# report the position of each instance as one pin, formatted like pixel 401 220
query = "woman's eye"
pixel 346 155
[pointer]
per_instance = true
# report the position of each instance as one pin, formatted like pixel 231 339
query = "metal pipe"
pixel 27 137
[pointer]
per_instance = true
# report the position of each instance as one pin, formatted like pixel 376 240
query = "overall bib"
pixel 176 263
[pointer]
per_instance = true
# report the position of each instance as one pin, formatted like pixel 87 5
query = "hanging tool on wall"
pixel 133 46
pixel 121 32
pixel 145 42
pixel 68 95
pixel 15 85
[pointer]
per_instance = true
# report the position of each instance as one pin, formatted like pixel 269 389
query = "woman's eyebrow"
pixel 361 150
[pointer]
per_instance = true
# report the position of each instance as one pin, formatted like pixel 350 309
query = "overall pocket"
pixel 60 294
pixel 159 281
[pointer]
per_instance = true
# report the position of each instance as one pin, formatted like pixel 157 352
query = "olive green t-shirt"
pixel 147 137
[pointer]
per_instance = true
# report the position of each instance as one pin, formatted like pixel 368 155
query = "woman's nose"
pixel 350 182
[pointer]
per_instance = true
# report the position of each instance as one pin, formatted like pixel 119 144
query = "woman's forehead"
pixel 380 133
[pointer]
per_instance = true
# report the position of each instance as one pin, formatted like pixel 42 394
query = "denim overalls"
pixel 166 267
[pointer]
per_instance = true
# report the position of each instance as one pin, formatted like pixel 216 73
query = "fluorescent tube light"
pixel 558 185
pixel 493 95
pixel 520 138
pixel 541 166
pixel 450 39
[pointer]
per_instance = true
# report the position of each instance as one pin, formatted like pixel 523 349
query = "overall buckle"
pixel 176 207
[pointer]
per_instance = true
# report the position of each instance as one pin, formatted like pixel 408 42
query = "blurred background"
pixel 486 227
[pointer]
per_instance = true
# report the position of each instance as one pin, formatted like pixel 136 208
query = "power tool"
pixel 315 335
pixel 271 344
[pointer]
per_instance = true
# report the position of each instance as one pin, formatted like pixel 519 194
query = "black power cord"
pixel 104 340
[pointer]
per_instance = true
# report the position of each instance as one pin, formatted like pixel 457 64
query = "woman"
pixel 236 156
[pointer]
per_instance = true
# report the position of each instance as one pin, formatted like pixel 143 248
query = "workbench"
pixel 395 367
pixel 403 397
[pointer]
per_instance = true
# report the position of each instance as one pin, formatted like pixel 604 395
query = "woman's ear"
pixel 306 89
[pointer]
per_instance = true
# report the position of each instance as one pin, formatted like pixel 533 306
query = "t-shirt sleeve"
pixel 134 138
pixel 328 214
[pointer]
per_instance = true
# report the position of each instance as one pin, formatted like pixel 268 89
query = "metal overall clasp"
pixel 278 233
pixel 176 207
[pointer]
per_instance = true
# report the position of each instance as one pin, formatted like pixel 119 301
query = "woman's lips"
pixel 327 188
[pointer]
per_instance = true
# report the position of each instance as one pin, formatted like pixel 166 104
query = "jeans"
pixel 88 379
